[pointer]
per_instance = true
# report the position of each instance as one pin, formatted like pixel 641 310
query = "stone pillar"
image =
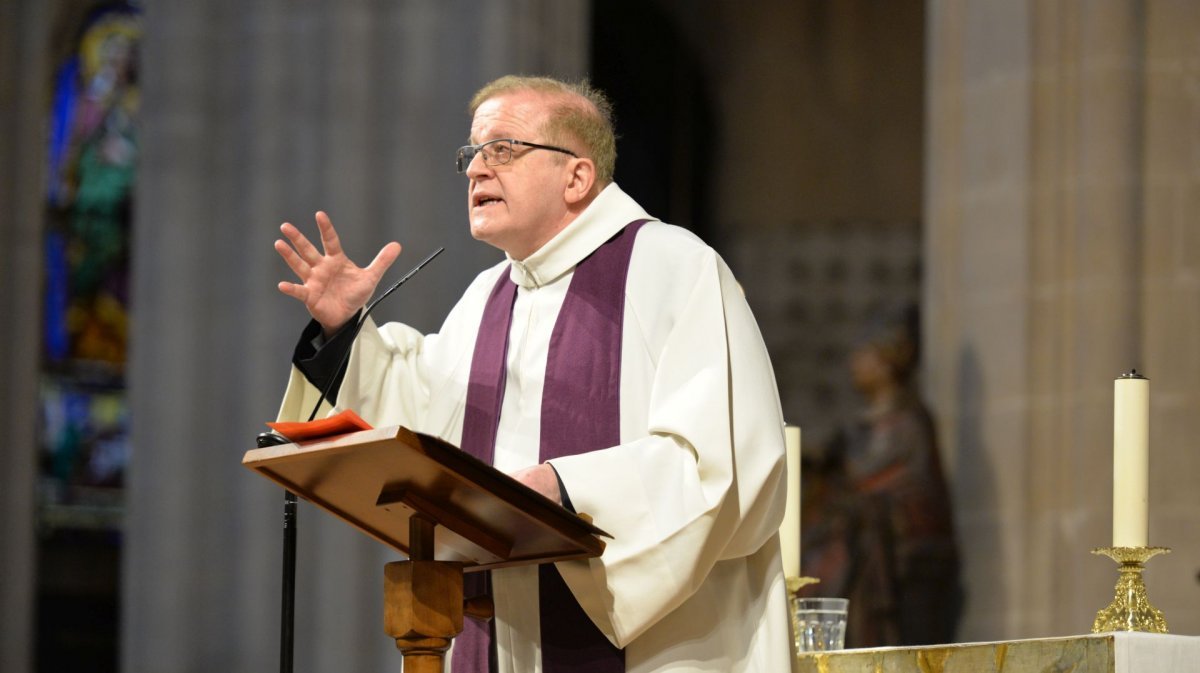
pixel 24 76
pixel 1041 232
pixel 1169 291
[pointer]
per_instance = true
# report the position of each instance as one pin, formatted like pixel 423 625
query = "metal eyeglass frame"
pixel 501 156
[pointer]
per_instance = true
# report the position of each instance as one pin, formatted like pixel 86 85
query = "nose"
pixel 477 167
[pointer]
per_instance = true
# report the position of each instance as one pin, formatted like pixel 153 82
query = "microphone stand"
pixel 290 513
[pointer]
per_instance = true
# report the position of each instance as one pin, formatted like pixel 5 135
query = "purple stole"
pixel 581 412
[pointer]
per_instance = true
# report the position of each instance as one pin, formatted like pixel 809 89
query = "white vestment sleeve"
pixel 299 399
pixel 395 384
pixel 396 375
pixel 704 483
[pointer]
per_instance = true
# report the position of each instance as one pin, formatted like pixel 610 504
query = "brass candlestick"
pixel 1130 609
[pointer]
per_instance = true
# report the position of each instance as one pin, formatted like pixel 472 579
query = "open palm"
pixel 332 287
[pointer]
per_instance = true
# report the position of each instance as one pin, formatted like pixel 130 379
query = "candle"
pixel 1131 460
pixel 789 532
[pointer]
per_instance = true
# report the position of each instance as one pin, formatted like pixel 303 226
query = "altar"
pixel 1117 652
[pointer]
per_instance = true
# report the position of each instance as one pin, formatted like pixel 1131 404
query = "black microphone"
pixel 272 438
pixel 362 321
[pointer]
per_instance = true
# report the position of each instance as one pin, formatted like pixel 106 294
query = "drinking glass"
pixel 820 624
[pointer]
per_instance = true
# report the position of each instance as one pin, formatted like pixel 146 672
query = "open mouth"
pixel 484 200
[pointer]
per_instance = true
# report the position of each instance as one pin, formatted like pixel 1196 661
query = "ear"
pixel 580 180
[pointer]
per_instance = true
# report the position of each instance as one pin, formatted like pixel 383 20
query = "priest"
pixel 611 363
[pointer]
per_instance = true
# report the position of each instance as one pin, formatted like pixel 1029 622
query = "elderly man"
pixel 612 364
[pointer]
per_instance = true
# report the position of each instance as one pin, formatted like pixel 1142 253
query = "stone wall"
pixel 1061 249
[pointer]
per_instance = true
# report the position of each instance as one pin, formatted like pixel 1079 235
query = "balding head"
pixel 578 117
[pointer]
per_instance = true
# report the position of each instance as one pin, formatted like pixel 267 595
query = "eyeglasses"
pixel 498 152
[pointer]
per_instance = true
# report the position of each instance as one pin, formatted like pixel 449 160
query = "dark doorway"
pixel 664 118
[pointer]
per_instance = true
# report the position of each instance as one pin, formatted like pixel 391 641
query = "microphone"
pixel 272 438
pixel 362 321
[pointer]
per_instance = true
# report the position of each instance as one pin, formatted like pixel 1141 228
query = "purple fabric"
pixel 580 413
pixel 581 396
pixel 473 647
pixel 485 390
pixel 485 393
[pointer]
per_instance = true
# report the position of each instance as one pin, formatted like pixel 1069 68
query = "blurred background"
pixel 1023 177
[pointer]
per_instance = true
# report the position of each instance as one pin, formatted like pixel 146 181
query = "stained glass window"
pixel 92 161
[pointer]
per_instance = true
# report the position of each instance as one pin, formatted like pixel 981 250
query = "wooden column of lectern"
pixel 447 511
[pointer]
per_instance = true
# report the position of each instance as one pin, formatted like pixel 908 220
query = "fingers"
pixel 384 259
pixel 328 278
pixel 542 479
pixel 293 290
pixel 305 249
pixel 329 237
pixel 297 265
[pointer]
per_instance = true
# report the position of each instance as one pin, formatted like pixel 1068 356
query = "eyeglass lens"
pixel 494 153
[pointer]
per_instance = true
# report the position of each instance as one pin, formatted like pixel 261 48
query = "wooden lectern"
pixel 447 511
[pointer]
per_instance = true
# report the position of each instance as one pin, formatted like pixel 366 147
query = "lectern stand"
pixel 447 511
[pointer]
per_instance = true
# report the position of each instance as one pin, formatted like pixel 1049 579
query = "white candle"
pixel 789 532
pixel 1131 460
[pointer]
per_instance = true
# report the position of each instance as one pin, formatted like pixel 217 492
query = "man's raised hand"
pixel 332 287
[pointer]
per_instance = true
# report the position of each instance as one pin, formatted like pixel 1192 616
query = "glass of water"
pixel 820 624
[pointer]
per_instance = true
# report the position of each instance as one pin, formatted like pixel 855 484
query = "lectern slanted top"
pixel 375 480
